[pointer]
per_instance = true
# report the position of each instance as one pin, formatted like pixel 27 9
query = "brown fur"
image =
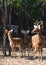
pixel 37 41
pixel 14 42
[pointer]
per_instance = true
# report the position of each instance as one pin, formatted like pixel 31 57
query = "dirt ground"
pixel 16 60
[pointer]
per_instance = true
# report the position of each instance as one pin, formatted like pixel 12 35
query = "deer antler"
pixel 40 23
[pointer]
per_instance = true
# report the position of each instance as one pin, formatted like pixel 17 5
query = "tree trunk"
pixel 10 16
pixel 4 23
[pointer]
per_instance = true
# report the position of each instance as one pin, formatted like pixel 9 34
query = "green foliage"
pixel 35 23
pixel 44 0
pixel 30 8
pixel 14 3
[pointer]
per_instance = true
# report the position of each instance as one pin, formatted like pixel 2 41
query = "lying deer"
pixel 14 42
pixel 37 40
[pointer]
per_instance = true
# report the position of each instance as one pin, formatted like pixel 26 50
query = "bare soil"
pixel 17 60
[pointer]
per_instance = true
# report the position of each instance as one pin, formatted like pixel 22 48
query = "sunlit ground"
pixel 17 60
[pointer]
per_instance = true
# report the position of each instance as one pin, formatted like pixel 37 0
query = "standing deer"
pixel 14 42
pixel 26 40
pixel 37 40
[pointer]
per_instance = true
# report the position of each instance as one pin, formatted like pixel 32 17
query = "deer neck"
pixel 10 37
pixel 39 33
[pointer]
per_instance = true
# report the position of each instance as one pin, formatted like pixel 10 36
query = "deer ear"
pixel 39 26
pixel 6 31
pixel 35 26
pixel 11 30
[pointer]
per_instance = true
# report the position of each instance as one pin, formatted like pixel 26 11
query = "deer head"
pixel 8 31
pixel 36 29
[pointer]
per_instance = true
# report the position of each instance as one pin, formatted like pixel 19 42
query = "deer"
pixel 14 42
pixel 26 40
pixel 37 40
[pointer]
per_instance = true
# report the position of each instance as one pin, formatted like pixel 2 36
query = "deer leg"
pixel 21 51
pixel 13 50
pixel 28 50
pixel 34 53
pixel 41 54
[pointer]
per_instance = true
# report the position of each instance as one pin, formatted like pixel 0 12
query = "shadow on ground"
pixel 25 57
